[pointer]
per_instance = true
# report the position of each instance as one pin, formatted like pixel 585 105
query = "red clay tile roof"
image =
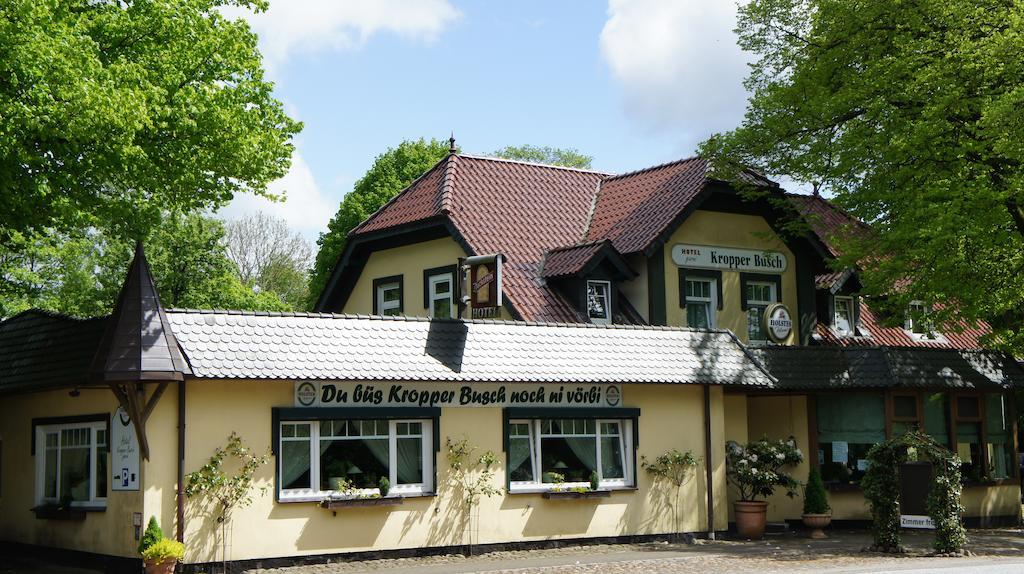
pixel 569 260
pixel 827 221
pixel 518 209
pixel 633 209
pixel 949 338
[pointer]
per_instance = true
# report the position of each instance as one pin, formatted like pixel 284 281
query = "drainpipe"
pixel 181 462
pixel 707 462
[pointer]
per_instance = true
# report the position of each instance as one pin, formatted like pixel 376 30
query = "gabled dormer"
pixel 588 275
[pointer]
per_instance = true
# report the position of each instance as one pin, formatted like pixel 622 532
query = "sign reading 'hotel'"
pixel 350 394
pixel 727 258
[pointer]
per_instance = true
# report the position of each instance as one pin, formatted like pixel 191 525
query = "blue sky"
pixel 632 83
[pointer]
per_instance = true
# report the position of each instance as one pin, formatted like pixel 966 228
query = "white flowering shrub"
pixel 756 469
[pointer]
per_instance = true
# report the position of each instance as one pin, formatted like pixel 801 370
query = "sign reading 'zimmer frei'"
pixel 728 258
pixel 362 394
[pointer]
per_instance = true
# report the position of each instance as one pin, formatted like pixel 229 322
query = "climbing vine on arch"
pixel 881 486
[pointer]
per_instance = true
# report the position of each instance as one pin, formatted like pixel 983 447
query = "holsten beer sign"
pixel 778 322
pixel 710 257
pixel 362 394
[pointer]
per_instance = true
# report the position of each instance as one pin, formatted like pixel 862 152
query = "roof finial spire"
pixel 451 143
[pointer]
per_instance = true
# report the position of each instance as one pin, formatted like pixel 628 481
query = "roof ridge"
pixel 534 164
pixel 410 319
pixel 448 183
pixel 405 190
pixel 587 243
pixel 51 314
pixel 593 208
pixel 654 167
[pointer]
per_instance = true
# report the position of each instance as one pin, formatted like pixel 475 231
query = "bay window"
pixel 349 456
pixel 566 451
pixel 71 464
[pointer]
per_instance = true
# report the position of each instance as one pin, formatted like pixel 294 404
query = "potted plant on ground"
pixel 817 513
pixel 756 470
pixel 162 556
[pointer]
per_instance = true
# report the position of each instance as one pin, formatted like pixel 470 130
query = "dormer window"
pixel 918 322
pixel 844 321
pixel 599 302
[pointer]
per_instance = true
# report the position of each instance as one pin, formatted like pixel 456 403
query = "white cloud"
pixel 305 207
pixel 677 64
pixel 306 26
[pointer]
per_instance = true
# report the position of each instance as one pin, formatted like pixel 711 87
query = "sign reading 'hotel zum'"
pixel 347 394
pixel 728 258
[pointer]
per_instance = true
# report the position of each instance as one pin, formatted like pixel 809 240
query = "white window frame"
pixel 607 285
pixel 930 335
pixel 94 452
pixel 316 491
pixel 711 302
pixel 773 294
pixel 433 295
pixel 383 305
pixel 535 436
pixel 851 321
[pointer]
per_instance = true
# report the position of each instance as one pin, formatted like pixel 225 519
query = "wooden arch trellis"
pixel 881 486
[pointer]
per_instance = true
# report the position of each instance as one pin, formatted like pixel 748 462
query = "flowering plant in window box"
pixel 756 470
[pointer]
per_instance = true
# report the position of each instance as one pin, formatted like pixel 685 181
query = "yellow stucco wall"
pixel 408 261
pixel 635 289
pixel 728 230
pixel 109 532
pixel 671 417
pixel 780 418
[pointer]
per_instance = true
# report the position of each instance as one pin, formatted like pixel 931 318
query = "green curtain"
pixel 853 418
pixel 936 414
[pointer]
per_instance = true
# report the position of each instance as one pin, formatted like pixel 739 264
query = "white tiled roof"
pixel 237 345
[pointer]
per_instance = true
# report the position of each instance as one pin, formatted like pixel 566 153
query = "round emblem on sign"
pixel 778 322
pixel 306 394
pixel 612 396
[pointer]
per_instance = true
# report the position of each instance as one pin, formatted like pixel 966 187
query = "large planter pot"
pixel 165 567
pixel 751 517
pixel 817 522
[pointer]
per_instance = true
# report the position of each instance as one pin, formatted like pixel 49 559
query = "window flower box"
pixel 336 503
pixel 575 494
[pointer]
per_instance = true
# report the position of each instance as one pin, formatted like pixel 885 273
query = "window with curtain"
pixel 316 458
pixel 999 444
pixel 540 449
pixel 843 321
pixel 72 464
pixel 848 426
pixel 968 435
pixel 599 307
pixel 759 296
pixel 700 303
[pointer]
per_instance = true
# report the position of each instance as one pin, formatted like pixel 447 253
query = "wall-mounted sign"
pixel 915 521
pixel 124 452
pixel 728 258
pixel 778 323
pixel 348 394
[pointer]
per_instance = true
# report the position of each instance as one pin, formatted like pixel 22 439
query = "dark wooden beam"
pixel 153 399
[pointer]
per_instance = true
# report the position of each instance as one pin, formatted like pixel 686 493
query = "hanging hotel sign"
pixel 124 452
pixel 728 258
pixel 349 394
pixel 484 285
pixel 778 323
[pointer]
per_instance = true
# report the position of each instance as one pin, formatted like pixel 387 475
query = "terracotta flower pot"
pixel 751 517
pixel 165 567
pixel 817 522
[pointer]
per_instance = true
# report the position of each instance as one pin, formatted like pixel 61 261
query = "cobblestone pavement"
pixel 1002 549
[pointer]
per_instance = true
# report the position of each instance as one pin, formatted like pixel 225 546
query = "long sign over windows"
pixel 728 258
pixel 347 394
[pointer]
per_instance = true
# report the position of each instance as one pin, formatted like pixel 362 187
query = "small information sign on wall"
pixel 124 452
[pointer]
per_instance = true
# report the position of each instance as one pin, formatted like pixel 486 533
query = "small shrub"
pixel 595 480
pixel 385 485
pixel 151 536
pixel 815 497
pixel 163 550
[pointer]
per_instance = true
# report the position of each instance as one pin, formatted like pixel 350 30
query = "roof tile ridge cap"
pixel 593 208
pixel 535 164
pixel 404 191
pixel 448 184
pixel 654 167
pixel 50 314
pixel 746 351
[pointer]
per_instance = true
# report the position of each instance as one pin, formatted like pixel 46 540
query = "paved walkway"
pixel 996 551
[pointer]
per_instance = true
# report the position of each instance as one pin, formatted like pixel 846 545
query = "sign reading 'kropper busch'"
pixel 321 394
pixel 711 257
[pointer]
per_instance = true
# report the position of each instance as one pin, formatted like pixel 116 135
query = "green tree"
pixel 390 173
pixel 567 157
pixel 908 113
pixel 112 113
pixel 270 256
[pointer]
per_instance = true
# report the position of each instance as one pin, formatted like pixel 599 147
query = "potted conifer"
pixel 817 513
pixel 756 470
